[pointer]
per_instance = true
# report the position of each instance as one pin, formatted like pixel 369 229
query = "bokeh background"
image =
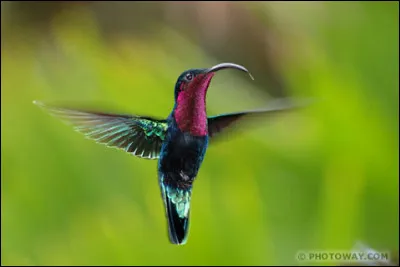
pixel 320 178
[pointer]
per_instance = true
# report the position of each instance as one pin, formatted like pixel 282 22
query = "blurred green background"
pixel 322 178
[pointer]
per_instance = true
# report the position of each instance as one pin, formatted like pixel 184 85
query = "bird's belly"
pixel 181 158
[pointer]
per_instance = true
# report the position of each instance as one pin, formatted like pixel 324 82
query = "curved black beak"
pixel 222 66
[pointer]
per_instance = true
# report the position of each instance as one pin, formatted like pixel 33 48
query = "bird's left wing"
pixel 221 123
pixel 140 136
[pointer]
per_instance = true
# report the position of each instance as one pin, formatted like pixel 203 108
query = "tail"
pixel 177 205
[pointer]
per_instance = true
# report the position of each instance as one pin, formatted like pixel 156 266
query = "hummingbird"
pixel 178 142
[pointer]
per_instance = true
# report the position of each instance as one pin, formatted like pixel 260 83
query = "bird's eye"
pixel 189 77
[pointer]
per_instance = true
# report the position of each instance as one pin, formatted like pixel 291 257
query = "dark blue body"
pixel 180 159
pixel 181 152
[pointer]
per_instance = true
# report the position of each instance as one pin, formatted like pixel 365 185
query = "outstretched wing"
pixel 140 136
pixel 220 123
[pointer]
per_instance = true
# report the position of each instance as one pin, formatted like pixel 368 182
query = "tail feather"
pixel 177 204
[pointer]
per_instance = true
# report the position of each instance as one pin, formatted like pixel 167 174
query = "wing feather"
pixel 137 135
pixel 219 124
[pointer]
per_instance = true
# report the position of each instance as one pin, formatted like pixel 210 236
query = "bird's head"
pixel 190 97
pixel 194 83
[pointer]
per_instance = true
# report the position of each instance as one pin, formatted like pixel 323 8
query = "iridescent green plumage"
pixel 137 135
pixel 180 198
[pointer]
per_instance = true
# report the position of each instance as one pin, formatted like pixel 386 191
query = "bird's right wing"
pixel 140 136
pixel 221 123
